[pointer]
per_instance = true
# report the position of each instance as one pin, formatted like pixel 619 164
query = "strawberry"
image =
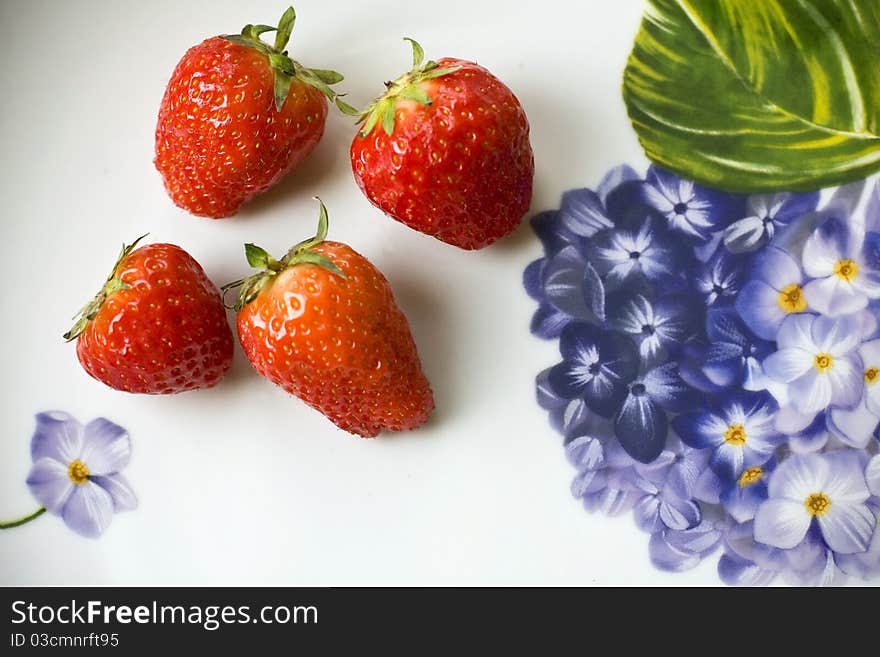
pixel 158 325
pixel 237 115
pixel 322 324
pixel 446 151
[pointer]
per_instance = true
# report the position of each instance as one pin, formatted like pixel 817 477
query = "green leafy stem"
pixel 284 69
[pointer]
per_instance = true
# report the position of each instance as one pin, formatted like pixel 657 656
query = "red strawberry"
pixel 236 117
pixel 446 151
pixel 322 324
pixel 158 326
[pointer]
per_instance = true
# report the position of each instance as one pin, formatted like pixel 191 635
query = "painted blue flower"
pixel 642 424
pixel 647 251
pixel 845 264
pixel 738 428
pixel 597 366
pixel 76 468
pixel 678 550
pixel 734 355
pixel 742 494
pixel 667 486
pixel 765 215
pixel 828 491
pixel 658 326
pixel 568 289
pixel 774 292
pixel 720 278
pixel 818 360
pixel 585 212
pixel 855 427
pixel 687 207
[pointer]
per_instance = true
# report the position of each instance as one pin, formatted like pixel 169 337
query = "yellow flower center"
pixel 78 472
pixel 791 299
pixel 823 362
pixel 871 375
pixel 817 504
pixel 846 270
pixel 735 435
pixel 751 476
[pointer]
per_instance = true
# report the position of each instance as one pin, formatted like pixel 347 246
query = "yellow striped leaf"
pixel 757 95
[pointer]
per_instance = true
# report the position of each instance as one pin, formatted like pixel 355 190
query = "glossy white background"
pixel 243 484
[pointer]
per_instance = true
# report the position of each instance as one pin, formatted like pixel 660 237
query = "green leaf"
pixel 312 258
pixel 418 53
pixel 257 257
pixel 372 120
pixel 283 63
pixel 416 93
pixel 245 41
pixel 345 108
pixel 323 222
pixel 285 28
pixel 439 72
pixel 306 75
pixel 388 117
pixel 282 88
pixel 327 77
pixel 758 96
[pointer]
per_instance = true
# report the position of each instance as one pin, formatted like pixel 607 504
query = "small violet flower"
pixel 855 427
pixel 734 355
pixel 845 265
pixel 766 214
pixel 774 292
pixel 647 252
pixel 687 207
pixel 642 424
pixel 658 326
pixel 818 361
pixel 76 468
pixel 596 366
pixel 739 429
pixel 828 490
pixel 720 279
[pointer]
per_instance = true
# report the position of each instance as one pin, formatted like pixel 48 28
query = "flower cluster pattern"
pixel 720 370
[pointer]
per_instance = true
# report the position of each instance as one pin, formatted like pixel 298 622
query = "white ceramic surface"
pixel 242 484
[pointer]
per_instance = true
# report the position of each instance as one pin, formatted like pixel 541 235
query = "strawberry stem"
pixel 299 254
pixel 285 69
pixel 407 87
pixel 112 284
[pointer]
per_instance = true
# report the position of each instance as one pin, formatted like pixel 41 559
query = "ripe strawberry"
pixel 452 157
pixel 236 117
pixel 158 325
pixel 322 324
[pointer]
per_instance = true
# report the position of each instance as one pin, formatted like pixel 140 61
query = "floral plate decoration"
pixel 76 472
pixel 720 370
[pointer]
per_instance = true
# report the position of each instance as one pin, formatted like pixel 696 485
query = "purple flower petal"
pixel 798 477
pixel 758 305
pixel 679 514
pixel 829 243
pixel 641 428
pixel 736 571
pixel 106 447
pixel 847 528
pixel 49 484
pixel 781 523
pixel 88 510
pixel 616 177
pixel 583 213
pixel 788 364
pixel 853 427
pixel 670 558
pixel 872 475
pixel 120 491
pixel 58 436
pixel 834 297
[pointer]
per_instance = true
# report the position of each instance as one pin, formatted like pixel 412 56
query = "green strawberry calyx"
pixel 269 267
pixel 113 284
pixel 285 69
pixel 406 87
